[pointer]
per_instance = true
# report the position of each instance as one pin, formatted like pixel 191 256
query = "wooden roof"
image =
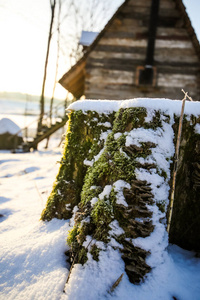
pixel 74 79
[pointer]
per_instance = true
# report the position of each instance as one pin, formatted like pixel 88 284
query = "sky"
pixel 24 28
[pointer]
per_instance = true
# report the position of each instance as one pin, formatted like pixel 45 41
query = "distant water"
pixel 23 113
pixel 16 110
pixel 13 106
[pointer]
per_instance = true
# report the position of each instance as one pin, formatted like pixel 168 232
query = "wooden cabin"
pixel 147 49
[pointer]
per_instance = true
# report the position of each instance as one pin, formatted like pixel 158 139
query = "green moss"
pixel 102 213
pixel 72 235
pixel 156 121
pixel 113 164
pixel 82 142
pixel 95 252
pixel 163 174
pixel 162 206
pixel 74 241
pixel 82 256
pixel 127 119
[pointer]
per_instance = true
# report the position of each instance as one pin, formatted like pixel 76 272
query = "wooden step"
pixel 48 131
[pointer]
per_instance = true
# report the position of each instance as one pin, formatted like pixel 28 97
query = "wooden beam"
pixel 120 49
pixel 177 80
pixel 101 55
pixel 174 44
pixel 109 76
pixel 123 42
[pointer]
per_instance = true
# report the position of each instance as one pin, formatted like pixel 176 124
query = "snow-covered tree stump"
pixel 114 181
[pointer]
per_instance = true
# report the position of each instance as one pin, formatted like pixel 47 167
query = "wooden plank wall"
pixel 111 65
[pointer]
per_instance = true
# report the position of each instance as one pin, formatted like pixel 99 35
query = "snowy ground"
pixel 32 260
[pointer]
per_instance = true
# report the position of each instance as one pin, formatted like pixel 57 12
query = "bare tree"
pixel 53 6
pixel 73 16
pixel 57 63
pixel 88 15
pixel 57 60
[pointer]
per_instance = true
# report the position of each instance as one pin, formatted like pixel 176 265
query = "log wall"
pixel 111 65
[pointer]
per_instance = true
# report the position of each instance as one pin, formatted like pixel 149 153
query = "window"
pixel 146 76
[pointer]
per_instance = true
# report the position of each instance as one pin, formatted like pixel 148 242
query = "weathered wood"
pixel 173 37
pixel 182 55
pixel 167 12
pixel 75 82
pixel 76 86
pixel 177 80
pixel 130 14
pixel 140 3
pixel 143 43
pixel 161 69
pixel 106 55
pixel 142 33
pixel 114 64
pixel 167 4
pixel 110 76
pixel 164 31
pixel 125 29
pixel 173 44
pixel 76 71
pixel 119 67
pixel 166 69
pixel 120 22
pixel 164 11
pixel 111 62
pixel 147 3
pixel 120 49
pixel 170 22
pixel 76 79
pixel 125 89
pixel 123 42
pixel 129 92
pixel 139 10
pixel 136 34
pixel 176 55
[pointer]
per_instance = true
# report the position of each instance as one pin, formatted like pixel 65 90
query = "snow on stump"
pixel 114 183
pixel 10 135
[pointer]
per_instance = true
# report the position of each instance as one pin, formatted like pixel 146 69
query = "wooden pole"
pixel 176 160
